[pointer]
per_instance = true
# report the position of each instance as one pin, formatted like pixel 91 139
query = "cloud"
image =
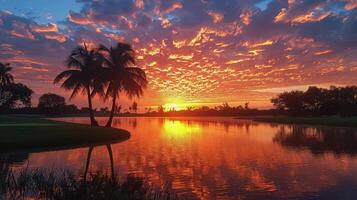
pixel 205 49
pixel 79 19
pixel 350 4
pixel 51 27
pixel 53 36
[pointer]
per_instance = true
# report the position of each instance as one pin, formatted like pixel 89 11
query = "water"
pixel 221 158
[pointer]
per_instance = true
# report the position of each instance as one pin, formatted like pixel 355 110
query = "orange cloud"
pixel 26 35
pixel 322 52
pixel 351 4
pixel 216 17
pixel 139 3
pixel 51 27
pixel 246 17
pixel 58 37
pixel 79 19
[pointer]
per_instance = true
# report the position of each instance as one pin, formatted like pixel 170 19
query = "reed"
pixel 42 184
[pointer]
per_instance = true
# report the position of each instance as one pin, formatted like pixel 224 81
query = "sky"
pixel 194 52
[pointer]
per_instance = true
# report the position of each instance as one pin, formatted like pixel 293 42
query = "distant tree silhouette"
pixel 120 75
pixel 15 95
pixel 318 101
pixel 313 100
pixel 84 66
pixel 221 110
pixel 6 77
pixel 246 106
pixel 160 109
pixel 70 109
pixel 51 103
pixel 118 109
pixel 134 107
pixel 12 95
pixel 290 101
pixel 189 108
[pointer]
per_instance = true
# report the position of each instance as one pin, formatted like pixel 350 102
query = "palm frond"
pixel 65 74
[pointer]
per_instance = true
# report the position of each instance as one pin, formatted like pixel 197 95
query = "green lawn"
pixel 326 121
pixel 18 132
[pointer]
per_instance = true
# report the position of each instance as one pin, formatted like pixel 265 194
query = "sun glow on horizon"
pixel 173 106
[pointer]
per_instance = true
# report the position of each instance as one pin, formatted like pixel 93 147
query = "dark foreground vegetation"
pixel 40 184
pixel 27 132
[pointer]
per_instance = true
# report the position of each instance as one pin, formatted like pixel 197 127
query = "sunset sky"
pixel 195 52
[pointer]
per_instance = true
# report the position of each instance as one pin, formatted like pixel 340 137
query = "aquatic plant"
pixel 42 184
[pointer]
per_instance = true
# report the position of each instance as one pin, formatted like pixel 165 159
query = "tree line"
pixel 223 109
pixel 318 101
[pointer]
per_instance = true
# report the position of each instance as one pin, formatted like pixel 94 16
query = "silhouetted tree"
pixel 120 75
pixel 148 109
pixel 313 99
pixel 15 95
pixel 134 107
pixel 246 106
pixel 51 103
pixel 189 108
pixel 6 77
pixel 84 66
pixel 160 109
pixel 70 109
pixel 318 101
pixel 118 109
pixel 290 101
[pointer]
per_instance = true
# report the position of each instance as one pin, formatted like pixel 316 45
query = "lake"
pixel 220 158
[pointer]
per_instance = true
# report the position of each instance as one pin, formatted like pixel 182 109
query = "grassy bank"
pixel 52 185
pixel 33 132
pixel 325 121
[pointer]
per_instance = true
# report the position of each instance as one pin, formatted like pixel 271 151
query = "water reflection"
pixel 223 158
pixel 110 153
pixel 180 129
pixel 319 140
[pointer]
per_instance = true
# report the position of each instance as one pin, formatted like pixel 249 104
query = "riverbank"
pixel 19 132
pixel 325 121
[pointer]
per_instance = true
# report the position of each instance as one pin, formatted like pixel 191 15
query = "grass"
pixel 41 184
pixel 325 121
pixel 18 132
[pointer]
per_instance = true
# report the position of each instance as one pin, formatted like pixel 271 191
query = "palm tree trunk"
pixel 87 163
pixel 110 152
pixel 109 123
pixel 93 122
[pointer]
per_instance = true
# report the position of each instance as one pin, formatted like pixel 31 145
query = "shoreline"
pixel 30 133
pixel 332 121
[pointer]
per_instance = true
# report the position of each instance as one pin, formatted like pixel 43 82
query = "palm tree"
pixel 5 76
pixel 84 65
pixel 134 107
pixel 120 74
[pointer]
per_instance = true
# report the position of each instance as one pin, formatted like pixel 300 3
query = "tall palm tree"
pixel 84 65
pixel 120 74
pixel 5 74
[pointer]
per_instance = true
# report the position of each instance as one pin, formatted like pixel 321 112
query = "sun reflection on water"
pixel 180 129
